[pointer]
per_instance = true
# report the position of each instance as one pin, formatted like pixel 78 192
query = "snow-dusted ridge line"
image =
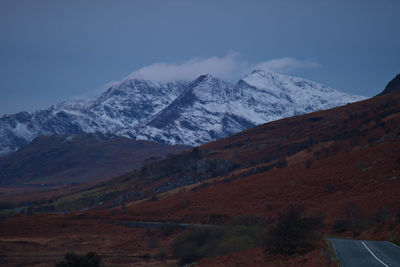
pixel 210 109
pixel 178 112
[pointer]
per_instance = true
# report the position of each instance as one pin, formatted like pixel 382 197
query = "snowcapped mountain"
pixel 211 109
pixel 176 113
pixel 123 105
pixel 200 114
pixel 275 96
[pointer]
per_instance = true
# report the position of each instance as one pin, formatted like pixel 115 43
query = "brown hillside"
pixel 58 159
pixel 328 161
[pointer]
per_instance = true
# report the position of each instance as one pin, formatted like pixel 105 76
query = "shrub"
pixel 354 216
pixel 196 243
pixel 308 163
pixel 282 163
pixel 233 244
pixel 292 233
pixel 170 228
pixel 212 241
pixel 382 215
pixel 340 226
pixel 238 238
pixel 91 259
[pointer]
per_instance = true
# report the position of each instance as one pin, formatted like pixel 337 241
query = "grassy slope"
pixel 322 160
pixel 326 152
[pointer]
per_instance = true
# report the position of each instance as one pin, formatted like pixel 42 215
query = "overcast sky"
pixel 52 51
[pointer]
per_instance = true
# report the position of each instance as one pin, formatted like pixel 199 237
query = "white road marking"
pixel 333 245
pixel 392 244
pixel 362 242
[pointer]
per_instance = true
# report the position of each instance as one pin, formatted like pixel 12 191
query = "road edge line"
pixel 336 254
pixel 362 242
pixel 334 248
pixel 393 244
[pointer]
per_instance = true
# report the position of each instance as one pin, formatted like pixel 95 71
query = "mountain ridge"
pixel 179 112
pixel 123 104
pixel 203 114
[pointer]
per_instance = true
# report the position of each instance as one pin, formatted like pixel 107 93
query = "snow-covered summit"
pixel 121 106
pixel 210 108
pixel 179 112
pixel 292 95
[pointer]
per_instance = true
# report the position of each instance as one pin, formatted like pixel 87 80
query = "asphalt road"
pixel 361 253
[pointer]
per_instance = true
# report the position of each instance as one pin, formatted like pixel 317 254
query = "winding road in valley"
pixel 361 253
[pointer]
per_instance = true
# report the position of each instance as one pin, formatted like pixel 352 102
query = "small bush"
pixel 292 233
pixel 196 243
pixel 282 163
pixel 212 241
pixel 233 244
pixel 382 215
pixel 71 259
pixel 340 226
pixel 355 218
pixel 238 238
pixel 170 228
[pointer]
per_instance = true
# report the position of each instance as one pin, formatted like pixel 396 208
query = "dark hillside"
pixel 392 86
pixel 61 160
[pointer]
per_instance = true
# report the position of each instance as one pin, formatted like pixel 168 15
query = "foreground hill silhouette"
pixel 342 164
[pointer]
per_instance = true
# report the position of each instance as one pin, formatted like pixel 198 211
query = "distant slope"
pixel 392 86
pixel 60 159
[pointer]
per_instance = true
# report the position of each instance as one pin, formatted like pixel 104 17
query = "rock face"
pixel 179 112
pixel 392 86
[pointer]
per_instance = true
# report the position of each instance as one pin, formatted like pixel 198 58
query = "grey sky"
pixel 52 51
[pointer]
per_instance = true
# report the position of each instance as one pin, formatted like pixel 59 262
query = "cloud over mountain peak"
pixel 229 67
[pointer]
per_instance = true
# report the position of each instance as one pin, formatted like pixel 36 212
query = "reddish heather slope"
pixel 330 162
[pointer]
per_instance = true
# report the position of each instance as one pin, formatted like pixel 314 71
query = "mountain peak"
pixel 204 78
pixel 263 72
pixel 135 81
pixel 258 76
pixel 209 85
